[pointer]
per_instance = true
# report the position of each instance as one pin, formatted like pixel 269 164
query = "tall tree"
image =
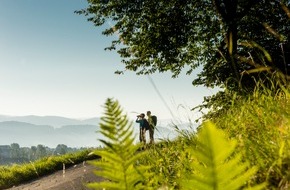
pixel 223 36
pixel 15 151
pixel 40 151
pixel 61 149
pixel 32 155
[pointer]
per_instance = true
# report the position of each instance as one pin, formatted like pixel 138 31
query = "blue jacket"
pixel 143 123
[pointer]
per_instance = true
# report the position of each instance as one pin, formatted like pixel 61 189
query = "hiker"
pixel 143 122
pixel 152 120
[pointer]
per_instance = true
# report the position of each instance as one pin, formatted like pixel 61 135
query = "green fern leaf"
pixel 214 165
pixel 118 164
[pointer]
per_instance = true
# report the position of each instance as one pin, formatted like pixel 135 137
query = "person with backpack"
pixel 144 125
pixel 152 120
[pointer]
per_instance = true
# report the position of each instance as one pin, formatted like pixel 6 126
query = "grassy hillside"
pixel 246 145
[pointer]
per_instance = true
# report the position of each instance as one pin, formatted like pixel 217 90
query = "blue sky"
pixel 53 62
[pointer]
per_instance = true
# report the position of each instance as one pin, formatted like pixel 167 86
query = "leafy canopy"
pixel 170 35
pixel 157 35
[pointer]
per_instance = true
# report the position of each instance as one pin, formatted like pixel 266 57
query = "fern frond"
pixel 118 164
pixel 214 166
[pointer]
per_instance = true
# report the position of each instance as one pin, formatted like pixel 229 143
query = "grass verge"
pixel 20 173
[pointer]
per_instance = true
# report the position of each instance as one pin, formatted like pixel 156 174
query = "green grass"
pixel 251 142
pixel 16 174
pixel 259 123
pixel 204 160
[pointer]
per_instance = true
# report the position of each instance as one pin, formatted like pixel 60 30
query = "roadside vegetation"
pixel 15 154
pixel 245 146
pixel 18 173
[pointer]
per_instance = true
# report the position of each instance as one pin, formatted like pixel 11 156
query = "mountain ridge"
pixel 54 121
pixel 33 130
pixel 27 135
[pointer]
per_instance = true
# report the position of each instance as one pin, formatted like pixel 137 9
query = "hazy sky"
pixel 53 62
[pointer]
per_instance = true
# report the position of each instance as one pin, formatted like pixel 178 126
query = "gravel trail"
pixel 72 178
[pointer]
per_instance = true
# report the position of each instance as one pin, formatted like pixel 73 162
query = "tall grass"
pixel 248 146
pixel 206 160
pixel 261 124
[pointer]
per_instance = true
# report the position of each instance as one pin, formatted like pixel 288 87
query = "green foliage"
pixel 247 148
pixel 205 160
pixel 260 123
pixel 214 166
pixel 157 35
pixel 167 160
pixel 119 163
pixel 201 161
pixel 170 35
pixel 16 174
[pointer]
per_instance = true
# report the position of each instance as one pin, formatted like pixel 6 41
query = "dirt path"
pixel 68 179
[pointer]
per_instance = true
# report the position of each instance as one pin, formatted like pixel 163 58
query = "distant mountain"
pixel 26 134
pixel 91 121
pixel 50 131
pixel 54 121
pixel 16 126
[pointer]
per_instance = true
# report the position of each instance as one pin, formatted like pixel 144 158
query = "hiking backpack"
pixel 154 119
pixel 145 124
